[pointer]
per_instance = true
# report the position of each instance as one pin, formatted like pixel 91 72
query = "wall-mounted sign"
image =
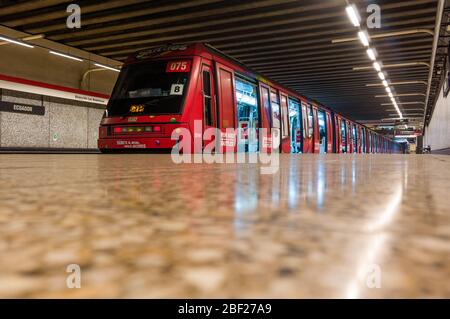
pixel 21 108
pixel 29 86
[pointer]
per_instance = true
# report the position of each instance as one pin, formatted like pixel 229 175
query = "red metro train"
pixel 161 90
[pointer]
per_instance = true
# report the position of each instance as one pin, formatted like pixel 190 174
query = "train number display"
pixel 178 66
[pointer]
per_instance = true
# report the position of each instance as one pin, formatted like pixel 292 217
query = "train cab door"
pixel 285 140
pixel 296 126
pixel 209 107
pixel 226 110
pixel 247 115
pixel 266 119
pixel 308 138
pixel 323 132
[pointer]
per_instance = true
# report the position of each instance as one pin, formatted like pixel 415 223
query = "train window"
pixel 247 114
pixel 226 98
pixel 207 99
pixel 295 121
pixel 322 131
pixel 343 137
pixel 355 139
pixel 151 87
pixel 310 121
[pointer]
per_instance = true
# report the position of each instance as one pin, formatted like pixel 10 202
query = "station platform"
pixel 142 226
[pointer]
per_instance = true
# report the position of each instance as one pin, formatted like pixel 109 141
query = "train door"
pixel 329 133
pixel 337 134
pixel 344 136
pixel 226 98
pixel 285 140
pixel 266 119
pixel 276 119
pixel 374 145
pixel 308 140
pixel 355 138
pixel 316 137
pixel 295 121
pixel 209 110
pixel 247 116
pixel 305 140
pixel 349 137
pixel 377 144
pixel 363 140
pixel 322 121
pixel 358 139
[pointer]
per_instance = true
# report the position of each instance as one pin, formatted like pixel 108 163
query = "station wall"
pixel 437 133
pixel 65 124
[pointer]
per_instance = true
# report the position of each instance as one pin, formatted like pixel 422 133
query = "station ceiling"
pixel 290 41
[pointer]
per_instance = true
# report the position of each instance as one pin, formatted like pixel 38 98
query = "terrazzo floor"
pixel 140 226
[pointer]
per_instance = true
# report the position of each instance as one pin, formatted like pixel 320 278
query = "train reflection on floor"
pixel 142 226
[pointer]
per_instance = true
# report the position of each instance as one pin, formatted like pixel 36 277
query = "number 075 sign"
pixel 178 66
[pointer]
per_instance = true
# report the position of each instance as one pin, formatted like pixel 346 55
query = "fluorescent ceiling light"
pixel 381 76
pixel 106 67
pixel 385 83
pixel 388 89
pixel 390 95
pixel 65 56
pixel 371 54
pixel 16 42
pixel 353 15
pixel 364 38
pixel 377 66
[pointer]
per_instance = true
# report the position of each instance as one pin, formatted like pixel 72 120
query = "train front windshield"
pixel 151 88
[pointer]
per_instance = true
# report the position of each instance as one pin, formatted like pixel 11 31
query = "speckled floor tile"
pixel 140 226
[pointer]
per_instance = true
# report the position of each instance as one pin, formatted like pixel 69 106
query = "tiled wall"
pixel 66 123
pixel 437 134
